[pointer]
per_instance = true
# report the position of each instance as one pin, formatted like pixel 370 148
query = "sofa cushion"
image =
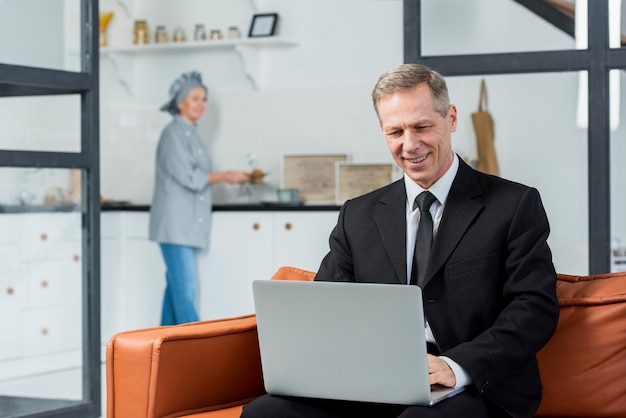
pixel 583 365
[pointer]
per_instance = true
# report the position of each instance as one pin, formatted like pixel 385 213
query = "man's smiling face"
pixel 418 137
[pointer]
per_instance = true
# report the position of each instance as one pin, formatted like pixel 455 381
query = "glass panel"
pixel 40 290
pixel 535 132
pixel 618 185
pixel 41 33
pixel 451 27
pixel 617 26
pixel 41 123
pixel 615 21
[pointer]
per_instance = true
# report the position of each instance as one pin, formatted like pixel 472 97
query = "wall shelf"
pixel 191 45
pixel 247 48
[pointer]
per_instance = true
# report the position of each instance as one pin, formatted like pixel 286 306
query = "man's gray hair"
pixel 406 77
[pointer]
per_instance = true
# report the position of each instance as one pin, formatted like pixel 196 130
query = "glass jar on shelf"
pixel 141 32
pixel 216 35
pixel 160 36
pixel 199 34
pixel 233 32
pixel 179 34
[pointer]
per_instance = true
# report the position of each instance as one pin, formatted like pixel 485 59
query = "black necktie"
pixel 424 239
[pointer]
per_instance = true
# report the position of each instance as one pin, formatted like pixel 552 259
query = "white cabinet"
pixel 145 281
pixel 40 294
pixel 301 238
pixel 10 289
pixel 132 274
pixel 112 290
pixel 240 251
pixel 51 270
pixel 247 246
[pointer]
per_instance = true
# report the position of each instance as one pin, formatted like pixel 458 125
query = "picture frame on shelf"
pixel 312 174
pixel 263 24
pixel 356 179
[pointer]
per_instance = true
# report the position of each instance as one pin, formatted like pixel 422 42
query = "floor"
pixel 14 407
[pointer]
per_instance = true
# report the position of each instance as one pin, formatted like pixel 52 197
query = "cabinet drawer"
pixel 9 257
pixel 10 338
pixel 110 225
pixel 136 225
pixel 50 330
pixel 57 250
pixel 53 283
pixel 302 238
pixel 11 291
pixel 9 228
pixel 225 288
pixel 42 234
pixel 10 295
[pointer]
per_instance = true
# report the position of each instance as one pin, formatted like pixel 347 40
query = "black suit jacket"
pixel 490 290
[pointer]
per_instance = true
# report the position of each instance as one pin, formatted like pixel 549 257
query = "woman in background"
pixel 180 214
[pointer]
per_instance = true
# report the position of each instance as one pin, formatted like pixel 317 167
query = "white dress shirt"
pixel 440 190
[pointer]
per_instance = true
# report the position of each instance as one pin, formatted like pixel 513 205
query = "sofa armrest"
pixel 183 369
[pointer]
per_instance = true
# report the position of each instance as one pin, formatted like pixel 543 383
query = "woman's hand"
pixel 232 177
pixel 236 177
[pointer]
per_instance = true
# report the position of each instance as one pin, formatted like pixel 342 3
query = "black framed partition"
pixel 56 300
pixel 596 60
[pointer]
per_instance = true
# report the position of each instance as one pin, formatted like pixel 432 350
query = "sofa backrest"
pixel 583 366
pixel 293 273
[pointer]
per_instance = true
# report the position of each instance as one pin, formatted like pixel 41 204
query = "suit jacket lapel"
pixel 390 218
pixel 460 211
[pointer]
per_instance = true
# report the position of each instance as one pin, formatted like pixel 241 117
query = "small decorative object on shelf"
pixel 141 33
pixel 263 25
pixel 216 35
pixel 179 34
pixel 105 19
pixel 160 36
pixel 233 32
pixel 199 33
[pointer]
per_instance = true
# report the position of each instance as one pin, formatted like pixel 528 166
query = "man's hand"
pixel 439 372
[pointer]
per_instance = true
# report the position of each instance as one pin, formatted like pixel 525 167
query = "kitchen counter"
pixel 65 207
pixel 130 207
pixel 235 207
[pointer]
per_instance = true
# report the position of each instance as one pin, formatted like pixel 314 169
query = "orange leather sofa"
pixel 210 369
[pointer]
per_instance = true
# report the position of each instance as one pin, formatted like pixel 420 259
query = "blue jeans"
pixel 179 301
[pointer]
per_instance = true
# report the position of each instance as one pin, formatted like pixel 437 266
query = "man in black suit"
pixel 489 285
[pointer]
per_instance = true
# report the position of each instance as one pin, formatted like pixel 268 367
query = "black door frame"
pixel 18 80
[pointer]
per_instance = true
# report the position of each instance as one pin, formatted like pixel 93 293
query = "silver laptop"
pixel 346 341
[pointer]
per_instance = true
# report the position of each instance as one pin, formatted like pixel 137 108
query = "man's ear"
pixel 452 117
